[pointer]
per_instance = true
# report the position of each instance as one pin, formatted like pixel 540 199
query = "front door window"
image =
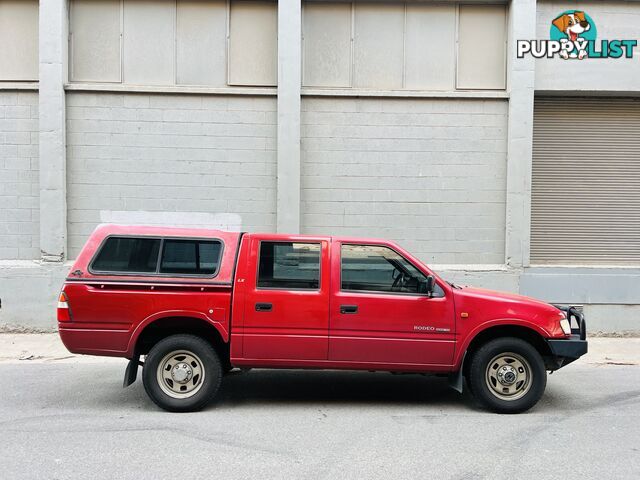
pixel 375 268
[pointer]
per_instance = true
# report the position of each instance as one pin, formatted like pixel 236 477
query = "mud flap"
pixel 131 373
pixel 456 379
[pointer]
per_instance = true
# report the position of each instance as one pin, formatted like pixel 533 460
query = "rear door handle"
pixel 348 309
pixel 263 307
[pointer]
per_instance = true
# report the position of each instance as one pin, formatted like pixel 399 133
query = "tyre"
pixel 507 375
pixel 182 373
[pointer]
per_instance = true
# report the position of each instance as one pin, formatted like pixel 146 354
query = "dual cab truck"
pixel 196 303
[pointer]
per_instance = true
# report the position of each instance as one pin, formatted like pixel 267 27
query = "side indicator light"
pixel 464 315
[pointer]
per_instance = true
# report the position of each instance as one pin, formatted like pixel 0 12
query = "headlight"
pixel 566 326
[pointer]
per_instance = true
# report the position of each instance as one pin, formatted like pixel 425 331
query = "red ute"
pixel 196 303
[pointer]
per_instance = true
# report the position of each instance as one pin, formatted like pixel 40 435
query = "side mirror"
pixel 428 285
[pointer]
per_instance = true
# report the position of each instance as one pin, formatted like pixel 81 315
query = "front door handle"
pixel 263 307
pixel 348 309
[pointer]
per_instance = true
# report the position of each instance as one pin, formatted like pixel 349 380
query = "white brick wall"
pixel 19 195
pixel 169 153
pixel 428 173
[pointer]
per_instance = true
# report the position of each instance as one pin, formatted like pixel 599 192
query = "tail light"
pixel 64 313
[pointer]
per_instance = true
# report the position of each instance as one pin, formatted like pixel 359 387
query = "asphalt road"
pixel 74 421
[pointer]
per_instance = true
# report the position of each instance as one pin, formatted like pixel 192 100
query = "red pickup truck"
pixel 196 303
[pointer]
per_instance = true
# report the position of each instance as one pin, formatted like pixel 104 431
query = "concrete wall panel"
pixel 149 42
pixel 201 38
pixel 428 173
pixel 19 40
pixel 378 52
pixel 253 43
pixel 169 153
pixel 94 41
pixel 482 34
pixel 327 44
pixel 430 62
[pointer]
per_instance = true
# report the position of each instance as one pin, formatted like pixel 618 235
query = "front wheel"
pixel 507 375
pixel 182 373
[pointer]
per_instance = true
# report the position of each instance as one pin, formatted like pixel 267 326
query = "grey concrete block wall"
pixel 19 195
pixel 446 175
pixel 158 153
pixel 428 173
pixel 29 292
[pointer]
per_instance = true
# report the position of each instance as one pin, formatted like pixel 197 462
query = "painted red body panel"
pixel 297 328
pixel 305 328
pixel 383 330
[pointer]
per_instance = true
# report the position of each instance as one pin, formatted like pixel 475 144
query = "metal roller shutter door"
pixel 585 205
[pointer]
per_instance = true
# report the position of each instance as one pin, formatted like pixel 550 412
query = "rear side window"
pixel 140 255
pixel 128 255
pixel 289 265
pixel 191 257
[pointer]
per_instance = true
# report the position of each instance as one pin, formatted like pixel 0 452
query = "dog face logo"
pixel 573 25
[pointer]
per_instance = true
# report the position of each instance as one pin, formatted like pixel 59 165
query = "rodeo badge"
pixel 573 36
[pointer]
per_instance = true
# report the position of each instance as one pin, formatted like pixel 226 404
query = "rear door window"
pixel 289 265
pixel 128 255
pixel 190 257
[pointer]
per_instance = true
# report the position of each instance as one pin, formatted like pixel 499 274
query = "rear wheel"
pixel 182 373
pixel 507 375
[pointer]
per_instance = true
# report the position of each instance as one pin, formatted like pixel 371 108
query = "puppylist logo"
pixel 573 36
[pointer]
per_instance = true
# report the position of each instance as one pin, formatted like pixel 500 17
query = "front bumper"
pixel 566 350
pixel 572 347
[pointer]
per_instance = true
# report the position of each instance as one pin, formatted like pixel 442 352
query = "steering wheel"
pixel 399 282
